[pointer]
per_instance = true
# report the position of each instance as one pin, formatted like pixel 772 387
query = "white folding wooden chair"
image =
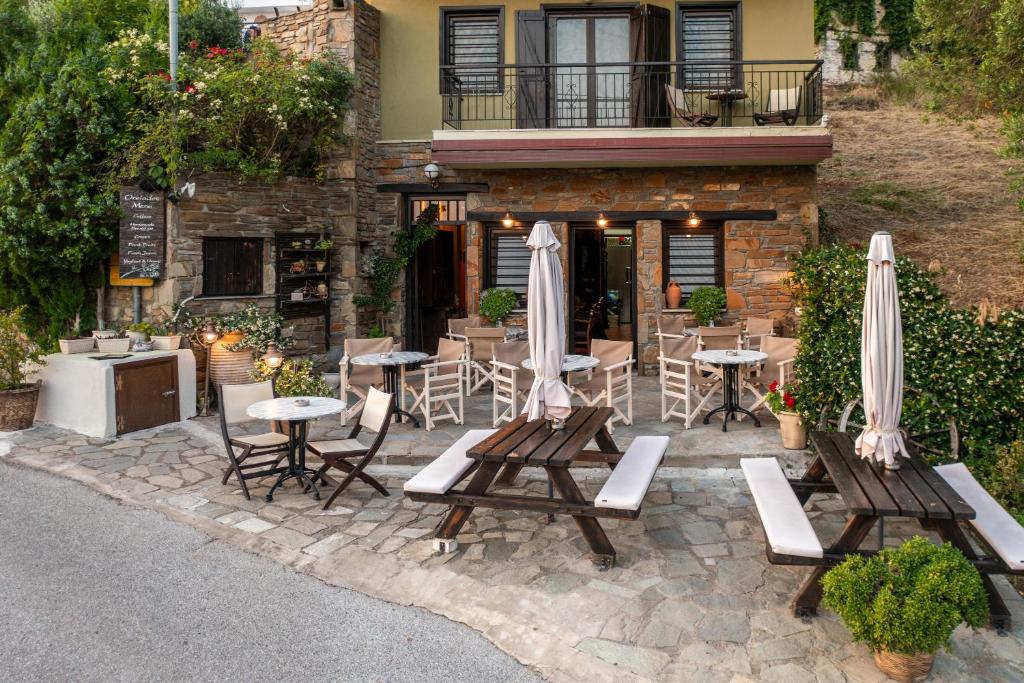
pixel 611 382
pixel 480 342
pixel 756 329
pixel 680 382
pixel 436 388
pixel 777 367
pixel 512 381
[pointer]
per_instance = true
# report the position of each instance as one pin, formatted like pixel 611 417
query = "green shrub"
pixel 1003 477
pixel 970 371
pixel 907 599
pixel 294 378
pixel 257 327
pixel 707 303
pixel 16 351
pixel 496 303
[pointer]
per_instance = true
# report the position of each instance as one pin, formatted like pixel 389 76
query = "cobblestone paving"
pixel 691 598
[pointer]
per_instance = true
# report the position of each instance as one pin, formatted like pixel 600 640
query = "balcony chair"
pixel 438 384
pixel 512 382
pixel 480 342
pixel 234 400
pixel 777 367
pixel 680 105
pixel 611 382
pixel 376 416
pixel 680 383
pixel 357 379
pixel 783 106
pixel 756 329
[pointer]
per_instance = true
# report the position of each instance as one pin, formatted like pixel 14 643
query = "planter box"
pixel 84 345
pixel 115 345
pixel 104 334
pixel 166 343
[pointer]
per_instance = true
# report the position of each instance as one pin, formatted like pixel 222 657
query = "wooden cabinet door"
pixel 146 393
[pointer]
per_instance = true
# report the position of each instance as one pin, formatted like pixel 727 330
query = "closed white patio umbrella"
pixel 881 357
pixel 545 309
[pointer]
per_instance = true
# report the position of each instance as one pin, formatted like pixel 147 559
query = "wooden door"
pixel 146 393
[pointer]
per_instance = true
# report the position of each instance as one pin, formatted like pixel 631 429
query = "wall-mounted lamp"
pixel 508 220
pixel 433 173
pixel 602 220
pixel 693 220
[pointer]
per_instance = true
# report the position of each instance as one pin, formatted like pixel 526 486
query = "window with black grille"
pixel 708 34
pixel 693 258
pixel 232 266
pixel 508 262
pixel 474 38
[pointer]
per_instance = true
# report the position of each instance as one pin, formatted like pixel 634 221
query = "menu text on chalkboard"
pixel 141 250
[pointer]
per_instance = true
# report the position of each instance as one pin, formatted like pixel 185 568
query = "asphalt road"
pixel 91 590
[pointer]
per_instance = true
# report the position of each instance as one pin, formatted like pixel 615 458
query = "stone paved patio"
pixel 692 597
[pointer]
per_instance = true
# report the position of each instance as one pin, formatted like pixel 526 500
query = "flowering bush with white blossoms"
pixel 962 365
pixel 257 113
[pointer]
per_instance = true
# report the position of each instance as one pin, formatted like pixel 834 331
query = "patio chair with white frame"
pixel 480 342
pixel 672 326
pixel 457 327
pixel 611 382
pixel 717 339
pixel 357 379
pixel 777 367
pixel 679 379
pixel 512 382
pixel 756 329
pixel 436 387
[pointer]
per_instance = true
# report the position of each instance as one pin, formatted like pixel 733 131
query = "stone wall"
pixel 757 253
pixel 226 207
pixel 873 55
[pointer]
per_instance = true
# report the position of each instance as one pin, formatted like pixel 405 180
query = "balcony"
pixel 635 113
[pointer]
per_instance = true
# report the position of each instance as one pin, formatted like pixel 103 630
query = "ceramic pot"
pixel 904 668
pixel 167 342
pixel 113 344
pixel 673 295
pixel 320 265
pixel 137 337
pixel 230 367
pixel 794 432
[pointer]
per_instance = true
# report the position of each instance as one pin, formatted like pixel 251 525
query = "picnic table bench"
pixel 495 457
pixel 940 498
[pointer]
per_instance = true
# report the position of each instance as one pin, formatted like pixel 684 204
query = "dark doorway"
pixel 603 286
pixel 437 279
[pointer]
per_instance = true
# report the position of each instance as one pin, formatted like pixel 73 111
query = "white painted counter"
pixel 78 391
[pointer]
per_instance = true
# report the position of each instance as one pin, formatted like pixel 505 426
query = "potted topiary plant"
pixel 783 401
pixel 496 303
pixel 139 332
pixel 905 602
pixel 18 398
pixel 706 304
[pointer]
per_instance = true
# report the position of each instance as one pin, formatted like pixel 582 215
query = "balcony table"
pixel 393 365
pixel 726 98
pixel 297 417
pixel 730 362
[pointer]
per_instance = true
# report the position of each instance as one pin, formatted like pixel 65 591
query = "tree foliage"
pixel 204 22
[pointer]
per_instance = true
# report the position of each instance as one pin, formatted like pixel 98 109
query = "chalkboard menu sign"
pixel 142 234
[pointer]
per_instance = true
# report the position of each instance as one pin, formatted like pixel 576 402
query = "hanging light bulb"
pixel 693 219
pixel 602 220
pixel 508 220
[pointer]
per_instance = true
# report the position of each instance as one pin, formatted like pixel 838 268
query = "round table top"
pixel 285 408
pixel 570 363
pixel 515 332
pixel 724 357
pixel 396 358
pixel 735 94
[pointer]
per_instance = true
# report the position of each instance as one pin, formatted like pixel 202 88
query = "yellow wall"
pixel 410 99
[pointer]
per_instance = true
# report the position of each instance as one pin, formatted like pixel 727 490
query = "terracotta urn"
pixel 673 295
pixel 794 432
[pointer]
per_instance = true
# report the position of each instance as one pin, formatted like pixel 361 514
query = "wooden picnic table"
pixel 523 443
pixel 872 493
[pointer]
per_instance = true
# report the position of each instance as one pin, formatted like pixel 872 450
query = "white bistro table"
pixel 730 361
pixel 292 411
pixel 570 363
pixel 392 364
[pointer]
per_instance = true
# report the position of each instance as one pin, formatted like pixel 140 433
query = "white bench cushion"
pixel 997 526
pixel 627 486
pixel 441 475
pixel 785 523
pixel 337 446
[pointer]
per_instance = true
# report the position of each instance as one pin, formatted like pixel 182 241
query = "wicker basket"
pixel 230 367
pixel 905 668
pixel 18 407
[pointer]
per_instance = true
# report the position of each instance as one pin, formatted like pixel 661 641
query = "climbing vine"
pixel 385 270
pixel 859 15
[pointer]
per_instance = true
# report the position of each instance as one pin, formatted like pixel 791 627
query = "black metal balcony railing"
pixel 631 94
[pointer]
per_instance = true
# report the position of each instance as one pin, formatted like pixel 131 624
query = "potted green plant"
pixel 783 401
pixel 496 303
pixel 293 378
pixel 707 303
pixel 139 332
pixel 905 602
pixel 244 335
pixel 18 398
pixel 324 244
pixel 163 341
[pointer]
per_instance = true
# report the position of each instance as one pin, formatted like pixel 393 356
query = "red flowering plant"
pixel 784 398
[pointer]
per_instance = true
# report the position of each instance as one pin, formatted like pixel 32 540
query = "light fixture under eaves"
pixel 693 220
pixel 602 220
pixel 508 220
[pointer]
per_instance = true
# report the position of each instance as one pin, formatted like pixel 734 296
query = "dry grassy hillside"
pixel 940 187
